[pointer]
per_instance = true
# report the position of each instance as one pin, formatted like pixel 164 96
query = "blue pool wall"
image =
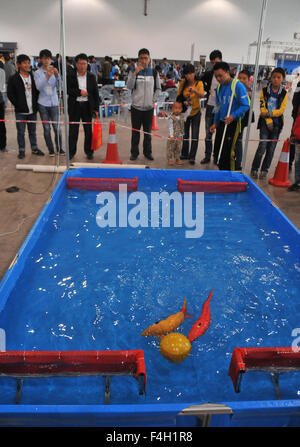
pixel 257 413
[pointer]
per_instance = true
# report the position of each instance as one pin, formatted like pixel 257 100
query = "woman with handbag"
pixel 190 91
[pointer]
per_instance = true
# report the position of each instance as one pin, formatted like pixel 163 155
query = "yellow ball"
pixel 175 347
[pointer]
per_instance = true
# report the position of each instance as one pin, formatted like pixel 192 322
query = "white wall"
pixel 103 27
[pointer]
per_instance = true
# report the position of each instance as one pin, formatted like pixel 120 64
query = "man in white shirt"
pixel 83 103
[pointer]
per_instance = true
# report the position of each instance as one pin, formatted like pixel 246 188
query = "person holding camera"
pixel 46 81
pixel 144 83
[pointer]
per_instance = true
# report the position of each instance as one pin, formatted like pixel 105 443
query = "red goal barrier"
pixel 101 184
pixel 210 187
pixel 31 364
pixel 274 360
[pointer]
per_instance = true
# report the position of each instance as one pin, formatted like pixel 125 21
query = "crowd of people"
pixel 34 87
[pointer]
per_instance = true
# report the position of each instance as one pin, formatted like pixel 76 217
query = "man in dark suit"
pixel 83 102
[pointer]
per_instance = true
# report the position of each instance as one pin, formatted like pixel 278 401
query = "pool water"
pixel 91 288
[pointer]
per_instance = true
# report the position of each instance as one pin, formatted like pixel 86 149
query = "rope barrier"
pixel 62 123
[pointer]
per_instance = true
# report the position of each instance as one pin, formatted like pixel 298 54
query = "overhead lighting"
pixel 217 6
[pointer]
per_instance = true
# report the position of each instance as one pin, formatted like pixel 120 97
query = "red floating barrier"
pixel 210 187
pixel 262 359
pixel 25 364
pixel 101 184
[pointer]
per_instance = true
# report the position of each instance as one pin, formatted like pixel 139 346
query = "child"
pixel 244 78
pixel 273 101
pixel 176 131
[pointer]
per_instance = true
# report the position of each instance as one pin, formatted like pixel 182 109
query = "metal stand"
pixel 275 380
pixel 107 390
pixel 18 390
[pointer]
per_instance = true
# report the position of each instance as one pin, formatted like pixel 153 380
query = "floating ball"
pixel 175 347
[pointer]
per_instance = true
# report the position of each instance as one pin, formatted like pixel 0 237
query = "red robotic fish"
pixel 201 325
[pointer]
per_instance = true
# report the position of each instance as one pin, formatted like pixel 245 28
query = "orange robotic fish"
pixel 168 325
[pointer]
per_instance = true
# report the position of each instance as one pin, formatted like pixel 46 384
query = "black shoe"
pixel 294 187
pixel 183 158
pixel 61 152
pixel 4 149
pixel 21 154
pixel 205 161
pixel 90 156
pixel 133 157
pixel 51 153
pixel 239 168
pixel 192 162
pixel 37 151
pixel 149 157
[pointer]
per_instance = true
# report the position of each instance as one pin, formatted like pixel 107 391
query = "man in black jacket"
pixel 83 102
pixel 210 84
pixel 23 94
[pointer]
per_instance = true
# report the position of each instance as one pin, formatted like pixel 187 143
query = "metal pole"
pixel 192 53
pixel 64 76
pixel 259 41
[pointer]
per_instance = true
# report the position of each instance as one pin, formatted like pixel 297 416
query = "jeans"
pixel 265 147
pixel 209 121
pixel 51 114
pixel 2 127
pixel 194 123
pixel 141 118
pixel 21 127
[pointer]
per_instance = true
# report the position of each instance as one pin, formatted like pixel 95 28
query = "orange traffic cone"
pixel 282 171
pixel 154 120
pixel 112 155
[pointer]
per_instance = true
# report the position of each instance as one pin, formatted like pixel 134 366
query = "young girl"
pixel 190 92
pixel 176 131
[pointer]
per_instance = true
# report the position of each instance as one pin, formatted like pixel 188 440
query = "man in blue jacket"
pixel 239 107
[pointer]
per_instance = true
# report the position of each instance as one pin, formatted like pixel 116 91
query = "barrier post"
pixel 254 85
